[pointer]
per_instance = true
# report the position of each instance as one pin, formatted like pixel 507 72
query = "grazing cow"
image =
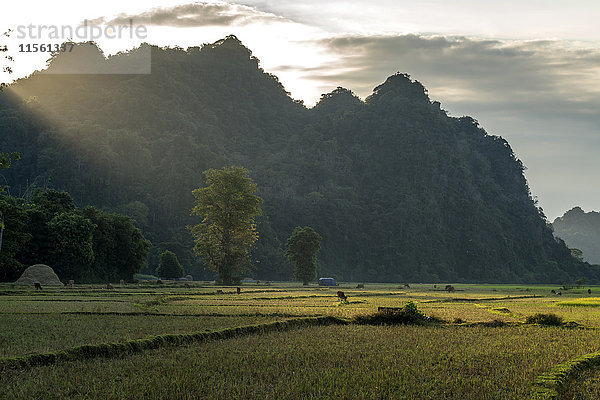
pixel 239 290
pixel 187 285
pixel 360 286
pixel 435 286
pixel 109 286
pixel 159 282
pixel 553 291
pixel 38 286
pixel 589 291
pixel 449 288
pixel 559 293
pixel 70 283
pixel 219 291
pixel 407 286
pixel 342 296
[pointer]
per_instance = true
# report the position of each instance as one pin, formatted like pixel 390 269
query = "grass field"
pixel 463 357
pixel 586 387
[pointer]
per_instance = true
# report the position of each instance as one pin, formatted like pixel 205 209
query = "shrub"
pixel 411 309
pixel 545 319
pixel 409 314
pixel 169 266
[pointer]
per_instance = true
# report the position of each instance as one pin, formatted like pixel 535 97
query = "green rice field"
pixel 147 341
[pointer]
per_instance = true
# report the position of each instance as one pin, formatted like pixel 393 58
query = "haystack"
pixel 39 273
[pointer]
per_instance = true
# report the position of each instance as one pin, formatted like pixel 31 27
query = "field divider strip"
pixel 473 300
pixel 64 300
pixel 154 314
pixel 116 349
pixel 548 385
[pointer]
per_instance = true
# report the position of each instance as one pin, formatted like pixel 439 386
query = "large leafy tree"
pixel 72 252
pixel 120 248
pixel 301 249
pixel 44 206
pixel 228 206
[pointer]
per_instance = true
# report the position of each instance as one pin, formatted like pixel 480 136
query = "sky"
pixel 528 71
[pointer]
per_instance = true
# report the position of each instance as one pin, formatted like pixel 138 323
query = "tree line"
pixel 89 245
pixel 84 245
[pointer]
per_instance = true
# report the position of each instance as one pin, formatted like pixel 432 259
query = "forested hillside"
pixel 580 230
pixel 398 190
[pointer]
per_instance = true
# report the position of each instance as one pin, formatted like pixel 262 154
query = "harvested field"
pixel 481 346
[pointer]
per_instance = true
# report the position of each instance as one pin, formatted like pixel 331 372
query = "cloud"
pixel 507 19
pixel 544 77
pixel 195 15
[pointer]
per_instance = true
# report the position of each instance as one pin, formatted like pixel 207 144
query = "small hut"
pixel 39 273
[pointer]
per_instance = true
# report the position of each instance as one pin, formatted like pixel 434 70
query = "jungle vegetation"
pixel 581 232
pixel 398 189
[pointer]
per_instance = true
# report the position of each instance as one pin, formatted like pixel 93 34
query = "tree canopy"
pixel 169 266
pixel 86 245
pixel 301 249
pixel 228 206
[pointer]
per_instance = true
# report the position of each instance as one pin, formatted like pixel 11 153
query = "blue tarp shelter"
pixel 327 282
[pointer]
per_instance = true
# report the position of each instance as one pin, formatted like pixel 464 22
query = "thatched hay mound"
pixel 39 273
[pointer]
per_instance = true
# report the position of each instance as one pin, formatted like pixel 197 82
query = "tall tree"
pixel 72 251
pixel 120 248
pixel 302 248
pixel 43 207
pixel 228 206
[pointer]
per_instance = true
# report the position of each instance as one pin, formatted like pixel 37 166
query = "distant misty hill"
pixel 580 230
pixel 399 190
